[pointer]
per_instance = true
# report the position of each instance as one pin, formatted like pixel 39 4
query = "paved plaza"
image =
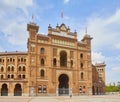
pixel 105 98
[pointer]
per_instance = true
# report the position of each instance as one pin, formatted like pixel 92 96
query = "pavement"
pixel 100 98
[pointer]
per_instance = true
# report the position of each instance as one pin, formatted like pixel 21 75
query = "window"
pixel 82 76
pixel 54 62
pixel 7 60
pixel 12 68
pixel 21 59
pixel 1 76
pixel 81 55
pixel 0 60
pixel 80 89
pixel 18 60
pixel 42 50
pixel 42 73
pixel 42 62
pixel 2 69
pixel 12 76
pixel 23 76
pixel 8 76
pixel 81 65
pixel 71 63
pixel 19 68
pixel 8 68
pixel 44 89
pixel 23 68
pixel 10 59
pixel 39 89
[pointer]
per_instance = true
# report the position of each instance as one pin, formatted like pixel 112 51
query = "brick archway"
pixel 63 84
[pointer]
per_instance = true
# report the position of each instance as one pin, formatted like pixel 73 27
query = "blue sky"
pixel 101 17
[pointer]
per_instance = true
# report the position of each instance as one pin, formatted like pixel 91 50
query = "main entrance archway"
pixel 63 84
pixel 4 90
pixel 17 90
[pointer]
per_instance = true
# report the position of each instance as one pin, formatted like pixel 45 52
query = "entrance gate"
pixel 4 90
pixel 17 90
pixel 63 85
pixel 63 91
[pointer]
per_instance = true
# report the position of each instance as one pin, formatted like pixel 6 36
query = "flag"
pixel 32 16
pixel 62 14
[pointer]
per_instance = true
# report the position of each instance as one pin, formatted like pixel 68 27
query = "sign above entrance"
pixel 63 34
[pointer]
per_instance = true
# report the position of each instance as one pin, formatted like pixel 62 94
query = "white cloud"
pixel 117 46
pixel 116 69
pixel 97 57
pixel 16 33
pixel 104 30
pixel 13 25
pixel 7 5
pixel 66 1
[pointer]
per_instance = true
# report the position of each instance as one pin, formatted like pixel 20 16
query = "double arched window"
pixel 42 50
pixel 42 73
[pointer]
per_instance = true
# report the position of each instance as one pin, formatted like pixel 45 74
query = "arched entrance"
pixel 63 84
pixel 17 90
pixel 4 90
pixel 93 90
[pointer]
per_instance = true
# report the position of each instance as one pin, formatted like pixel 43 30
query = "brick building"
pixel 55 64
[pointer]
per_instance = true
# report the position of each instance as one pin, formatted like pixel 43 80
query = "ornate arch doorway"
pixel 4 90
pixel 17 90
pixel 63 84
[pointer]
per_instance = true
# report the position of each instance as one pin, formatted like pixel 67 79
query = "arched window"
pixel 23 76
pixel 1 76
pixel 42 62
pixel 12 76
pixel 71 63
pixel 12 68
pixel 42 50
pixel 2 69
pixel 54 62
pixel 81 55
pixel 82 76
pixel 63 59
pixel 10 59
pixel 8 68
pixel 23 68
pixel 24 60
pixel 21 59
pixel 81 65
pixel 42 73
pixel 19 68
pixel 8 76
